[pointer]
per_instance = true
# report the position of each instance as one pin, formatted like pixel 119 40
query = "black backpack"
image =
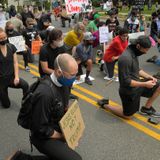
pixel 25 114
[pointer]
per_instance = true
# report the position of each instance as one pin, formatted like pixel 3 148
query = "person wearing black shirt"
pixel 9 76
pixel 112 22
pixel 131 87
pixel 26 14
pixel 49 52
pixel 12 33
pixel 30 34
pixel 49 108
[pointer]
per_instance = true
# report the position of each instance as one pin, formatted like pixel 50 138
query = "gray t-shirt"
pixel 83 52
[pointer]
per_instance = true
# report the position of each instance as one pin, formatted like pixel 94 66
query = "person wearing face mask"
pixel 83 55
pixel 9 74
pixel 132 88
pixel 49 52
pixel 12 33
pixel 49 108
pixel 114 50
pixel 93 25
pixel 30 33
pixel 74 37
pixel 132 23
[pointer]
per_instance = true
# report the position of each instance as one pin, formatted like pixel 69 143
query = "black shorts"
pixel 131 101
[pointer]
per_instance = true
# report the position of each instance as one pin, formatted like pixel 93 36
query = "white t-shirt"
pixel 2 20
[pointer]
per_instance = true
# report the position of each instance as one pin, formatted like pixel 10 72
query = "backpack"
pixel 25 114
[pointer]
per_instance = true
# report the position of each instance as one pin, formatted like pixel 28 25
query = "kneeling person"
pixel 83 56
pixel 131 87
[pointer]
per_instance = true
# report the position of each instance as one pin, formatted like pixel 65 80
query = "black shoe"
pixel 88 81
pixel 149 111
pixel 72 96
pixel 152 59
pixel 102 102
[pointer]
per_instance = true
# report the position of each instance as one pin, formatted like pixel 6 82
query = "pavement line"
pixel 130 122
pixel 31 71
pixel 139 117
pixel 30 65
pixel 36 68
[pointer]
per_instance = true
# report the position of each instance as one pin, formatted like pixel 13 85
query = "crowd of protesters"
pixel 81 44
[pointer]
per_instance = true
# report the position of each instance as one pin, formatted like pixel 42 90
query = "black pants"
pixel 54 150
pixel 9 82
pixel 25 57
pixel 110 68
pixel 63 19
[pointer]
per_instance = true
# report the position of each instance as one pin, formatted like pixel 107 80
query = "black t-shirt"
pixel 7 63
pixel 48 54
pixel 112 25
pixel 14 34
pixel 25 16
pixel 29 35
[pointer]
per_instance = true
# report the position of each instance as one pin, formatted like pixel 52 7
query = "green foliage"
pixel 95 3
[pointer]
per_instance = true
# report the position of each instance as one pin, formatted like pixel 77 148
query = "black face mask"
pixel 137 52
pixel 10 31
pixel 3 42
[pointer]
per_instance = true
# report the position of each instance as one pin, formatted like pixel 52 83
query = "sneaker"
pixel 116 79
pixel 88 81
pixel 149 111
pixel 107 78
pixel 27 69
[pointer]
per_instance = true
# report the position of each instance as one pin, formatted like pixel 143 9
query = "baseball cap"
pixel 96 16
pixel 88 36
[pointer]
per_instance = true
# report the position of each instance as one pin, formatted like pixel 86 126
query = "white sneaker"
pixel 27 69
pixel 107 78
pixel 116 79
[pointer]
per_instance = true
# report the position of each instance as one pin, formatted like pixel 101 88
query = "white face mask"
pixel 59 43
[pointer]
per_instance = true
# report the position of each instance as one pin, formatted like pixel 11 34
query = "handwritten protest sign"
pixel 104 34
pixel 77 6
pixel 18 42
pixel 36 45
pixel 72 125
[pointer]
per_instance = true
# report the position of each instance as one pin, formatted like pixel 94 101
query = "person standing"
pixel 9 73
pixel 114 50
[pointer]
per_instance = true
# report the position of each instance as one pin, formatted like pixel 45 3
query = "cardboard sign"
pixel 18 42
pixel 78 6
pixel 103 34
pixel 72 125
pixel 36 45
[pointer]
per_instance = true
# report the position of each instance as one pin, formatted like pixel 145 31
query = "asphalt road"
pixel 106 136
